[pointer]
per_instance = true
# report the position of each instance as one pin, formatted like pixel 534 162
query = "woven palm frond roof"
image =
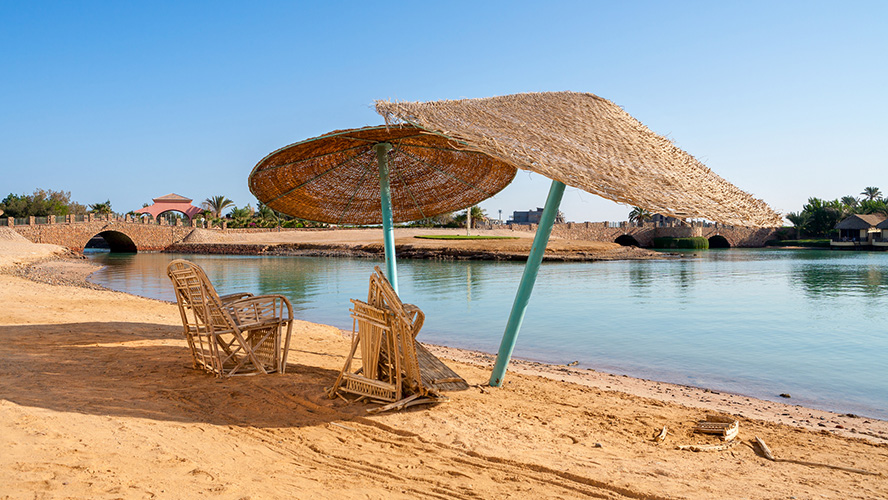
pixel 861 221
pixel 588 142
pixel 334 178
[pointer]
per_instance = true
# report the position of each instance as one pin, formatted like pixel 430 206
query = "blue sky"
pixel 132 100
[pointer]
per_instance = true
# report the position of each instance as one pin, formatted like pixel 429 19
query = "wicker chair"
pixel 239 334
pixel 382 294
pixel 394 367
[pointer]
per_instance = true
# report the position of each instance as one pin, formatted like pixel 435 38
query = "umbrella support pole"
pixel 388 230
pixel 525 288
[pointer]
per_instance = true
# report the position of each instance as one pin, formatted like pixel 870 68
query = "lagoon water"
pixel 812 323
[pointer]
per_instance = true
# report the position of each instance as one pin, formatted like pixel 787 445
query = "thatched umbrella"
pixel 376 175
pixel 587 142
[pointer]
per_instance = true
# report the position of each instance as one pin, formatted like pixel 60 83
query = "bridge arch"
pixel 627 240
pixel 719 241
pixel 117 241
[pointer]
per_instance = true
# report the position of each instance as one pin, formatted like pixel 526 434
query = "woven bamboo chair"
pixel 392 361
pixel 239 335
pixel 382 294
pixel 378 376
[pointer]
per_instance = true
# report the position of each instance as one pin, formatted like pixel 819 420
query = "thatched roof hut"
pixel 862 221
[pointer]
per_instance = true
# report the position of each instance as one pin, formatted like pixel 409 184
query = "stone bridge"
pixel 626 233
pixel 121 234
pixel 125 234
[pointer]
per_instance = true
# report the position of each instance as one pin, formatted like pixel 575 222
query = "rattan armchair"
pixel 238 335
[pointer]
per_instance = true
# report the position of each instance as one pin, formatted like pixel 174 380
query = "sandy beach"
pixel 98 400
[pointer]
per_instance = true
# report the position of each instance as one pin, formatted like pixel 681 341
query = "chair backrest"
pixel 407 321
pixel 382 294
pixel 198 301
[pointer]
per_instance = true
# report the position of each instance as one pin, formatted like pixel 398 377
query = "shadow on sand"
pixel 144 370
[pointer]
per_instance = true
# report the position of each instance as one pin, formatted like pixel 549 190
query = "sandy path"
pixel 98 400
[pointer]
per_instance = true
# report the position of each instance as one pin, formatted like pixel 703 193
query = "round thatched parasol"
pixel 588 142
pixel 376 175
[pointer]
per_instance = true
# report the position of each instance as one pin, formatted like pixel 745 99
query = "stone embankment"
pixel 465 250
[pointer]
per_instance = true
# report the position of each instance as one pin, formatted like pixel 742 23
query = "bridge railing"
pixel 83 218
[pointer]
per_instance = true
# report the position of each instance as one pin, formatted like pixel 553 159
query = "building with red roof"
pixel 171 203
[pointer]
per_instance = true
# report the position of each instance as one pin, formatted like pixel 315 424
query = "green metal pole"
pixel 525 288
pixel 388 231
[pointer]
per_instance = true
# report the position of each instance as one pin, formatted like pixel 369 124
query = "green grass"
pixel 815 243
pixel 695 243
pixel 463 237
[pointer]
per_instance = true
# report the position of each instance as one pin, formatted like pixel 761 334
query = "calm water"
pixel 811 323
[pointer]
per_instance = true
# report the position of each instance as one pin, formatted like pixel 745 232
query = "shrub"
pixel 668 242
pixel 814 243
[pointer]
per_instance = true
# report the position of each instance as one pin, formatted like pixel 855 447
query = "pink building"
pixel 171 203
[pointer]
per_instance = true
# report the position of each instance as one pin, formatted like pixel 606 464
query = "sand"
pixel 98 400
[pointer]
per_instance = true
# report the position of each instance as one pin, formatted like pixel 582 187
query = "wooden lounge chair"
pixel 238 335
pixel 395 368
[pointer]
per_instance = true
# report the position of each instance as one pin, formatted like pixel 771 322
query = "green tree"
pixel 478 215
pixel 240 216
pixel 799 220
pixel 15 206
pixel 824 215
pixel 41 203
pixel 639 215
pixel 268 216
pixel 217 204
pixel 850 203
pixel 872 207
pixel 103 208
pixel 871 193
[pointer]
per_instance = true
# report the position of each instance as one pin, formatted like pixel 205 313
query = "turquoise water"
pixel 811 323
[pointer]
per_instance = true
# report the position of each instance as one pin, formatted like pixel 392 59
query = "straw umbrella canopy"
pixel 588 142
pixel 376 175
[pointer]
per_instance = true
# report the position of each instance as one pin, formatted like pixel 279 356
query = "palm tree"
pixel 217 204
pixel 267 215
pixel 871 193
pixel 242 213
pixel 799 220
pixel 639 215
pixel 101 208
pixel 849 201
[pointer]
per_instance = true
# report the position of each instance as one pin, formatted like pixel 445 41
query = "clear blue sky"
pixel 132 100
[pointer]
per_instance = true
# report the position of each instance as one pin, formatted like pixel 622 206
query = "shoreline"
pixel 66 271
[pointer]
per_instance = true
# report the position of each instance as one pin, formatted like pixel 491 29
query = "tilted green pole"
pixel 525 288
pixel 385 192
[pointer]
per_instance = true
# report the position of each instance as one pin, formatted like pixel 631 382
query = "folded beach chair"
pixel 394 367
pixel 239 334
pixel 433 374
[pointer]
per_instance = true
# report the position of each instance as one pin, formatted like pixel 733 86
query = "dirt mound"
pixel 202 236
pixel 7 234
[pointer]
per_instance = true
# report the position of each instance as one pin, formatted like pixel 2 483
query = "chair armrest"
pixel 418 317
pixel 260 308
pixel 231 297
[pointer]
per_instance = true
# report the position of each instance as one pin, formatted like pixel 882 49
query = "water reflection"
pixel 837 280
pixel 435 278
pixel 640 279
